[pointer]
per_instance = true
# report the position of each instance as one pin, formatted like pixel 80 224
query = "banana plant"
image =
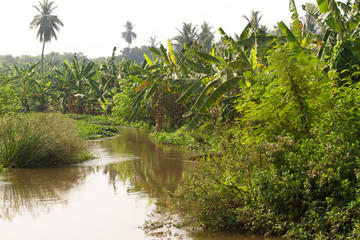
pixel 342 21
pixel 100 92
pixel 252 38
pixel 294 36
pixel 156 81
pixel 298 36
pixel 223 78
pixel 72 83
pixel 24 77
pixel 335 17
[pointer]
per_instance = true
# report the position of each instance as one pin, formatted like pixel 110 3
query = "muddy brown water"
pixel 105 198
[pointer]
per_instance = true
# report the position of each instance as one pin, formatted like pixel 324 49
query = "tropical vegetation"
pixel 46 23
pixel 128 35
pixel 273 113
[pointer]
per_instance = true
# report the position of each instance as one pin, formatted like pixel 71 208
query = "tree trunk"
pixel 42 58
pixel 158 113
pixel 158 118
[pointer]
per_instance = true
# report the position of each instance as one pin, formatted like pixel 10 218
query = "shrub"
pixel 205 138
pixel 39 140
pixel 311 187
pixel 306 189
pixel 9 99
pixel 292 166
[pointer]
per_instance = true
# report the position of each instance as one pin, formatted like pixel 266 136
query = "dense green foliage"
pixel 39 140
pixel 205 139
pixel 292 170
pixel 278 110
pixel 291 164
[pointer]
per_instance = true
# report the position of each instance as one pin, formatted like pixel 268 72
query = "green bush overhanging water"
pixel 291 164
pixel 286 101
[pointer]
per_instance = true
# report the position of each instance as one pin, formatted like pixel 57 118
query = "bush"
pixel 39 140
pixel 311 187
pixel 292 166
pixel 9 99
pixel 205 138
pixel 179 137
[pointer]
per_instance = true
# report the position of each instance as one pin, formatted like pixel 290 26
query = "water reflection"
pixel 36 190
pixel 129 160
pixel 106 198
pixel 154 172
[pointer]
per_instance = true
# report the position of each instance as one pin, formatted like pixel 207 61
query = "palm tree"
pixel 128 35
pixel 254 20
pixel 153 42
pixel 188 34
pixel 206 37
pixel 310 24
pixel 46 23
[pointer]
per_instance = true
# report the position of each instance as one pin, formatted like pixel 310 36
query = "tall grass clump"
pixel 39 140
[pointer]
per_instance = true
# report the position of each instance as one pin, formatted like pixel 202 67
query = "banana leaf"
pixel 197 67
pixel 202 98
pixel 219 93
pixel 148 60
pixel 142 86
pixel 195 86
pixel 293 42
pixel 329 13
pixel 207 57
pixel 295 22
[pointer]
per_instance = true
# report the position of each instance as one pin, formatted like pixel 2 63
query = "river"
pixel 107 198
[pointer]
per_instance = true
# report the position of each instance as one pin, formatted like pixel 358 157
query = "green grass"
pixel 91 131
pixel 178 137
pixel 97 119
pixel 39 140
pixel 205 138
pixel 100 126
pixel 93 127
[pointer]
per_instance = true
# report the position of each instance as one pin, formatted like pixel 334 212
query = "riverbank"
pixel 94 127
pixel 110 195
pixel 205 139
pixel 304 187
pixel 38 140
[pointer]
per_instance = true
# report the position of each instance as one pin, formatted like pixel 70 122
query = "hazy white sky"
pixel 94 27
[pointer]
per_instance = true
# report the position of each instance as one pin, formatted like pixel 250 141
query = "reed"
pixel 39 140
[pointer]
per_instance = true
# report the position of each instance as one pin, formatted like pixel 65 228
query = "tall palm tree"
pixel 128 35
pixel 206 37
pixel 310 24
pixel 188 34
pixel 46 23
